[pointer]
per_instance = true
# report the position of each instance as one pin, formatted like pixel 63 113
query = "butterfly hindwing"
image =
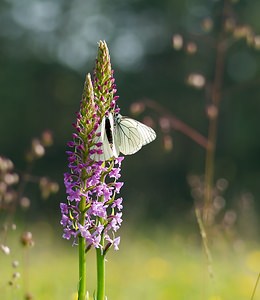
pixel 105 135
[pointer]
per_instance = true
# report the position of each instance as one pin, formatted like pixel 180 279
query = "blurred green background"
pixel 47 47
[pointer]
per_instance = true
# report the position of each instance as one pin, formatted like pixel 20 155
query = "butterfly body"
pixel 121 134
pixel 108 129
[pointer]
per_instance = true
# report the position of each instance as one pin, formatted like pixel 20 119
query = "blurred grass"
pixel 155 265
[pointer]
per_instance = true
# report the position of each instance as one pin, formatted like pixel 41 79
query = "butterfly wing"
pixel 147 133
pixel 131 135
pixel 104 133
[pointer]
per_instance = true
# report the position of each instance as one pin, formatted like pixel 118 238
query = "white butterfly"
pixel 121 134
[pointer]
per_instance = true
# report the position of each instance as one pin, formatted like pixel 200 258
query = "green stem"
pixel 82 290
pixel 100 271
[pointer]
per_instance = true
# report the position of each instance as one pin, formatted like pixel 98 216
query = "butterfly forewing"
pixel 146 132
pixel 131 135
pixel 127 136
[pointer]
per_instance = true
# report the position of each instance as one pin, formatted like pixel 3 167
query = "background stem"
pixel 213 114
